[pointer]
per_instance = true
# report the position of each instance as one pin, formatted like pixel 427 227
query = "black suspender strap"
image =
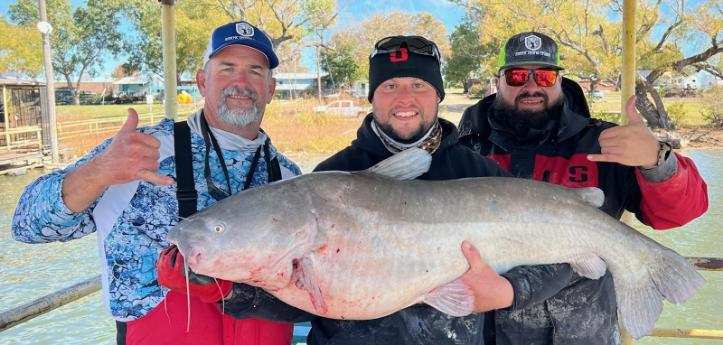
pixel 186 193
pixel 272 165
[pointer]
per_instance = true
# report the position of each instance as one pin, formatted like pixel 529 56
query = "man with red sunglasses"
pixel 538 126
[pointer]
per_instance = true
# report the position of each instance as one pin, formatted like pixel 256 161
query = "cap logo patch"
pixel 533 42
pixel 244 29
pixel 400 55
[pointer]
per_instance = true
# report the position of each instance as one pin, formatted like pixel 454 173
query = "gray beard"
pixel 238 117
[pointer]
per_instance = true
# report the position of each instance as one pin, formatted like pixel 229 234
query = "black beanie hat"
pixel 404 63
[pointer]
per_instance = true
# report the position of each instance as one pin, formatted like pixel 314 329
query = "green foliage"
pixel 283 20
pixel 711 109
pixel 80 38
pixel 340 63
pixel 676 112
pixel 613 117
pixel 467 53
pixel 361 38
pixel 21 50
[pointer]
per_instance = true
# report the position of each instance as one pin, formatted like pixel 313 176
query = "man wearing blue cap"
pixel 133 188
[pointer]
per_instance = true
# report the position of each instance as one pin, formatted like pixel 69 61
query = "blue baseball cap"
pixel 241 33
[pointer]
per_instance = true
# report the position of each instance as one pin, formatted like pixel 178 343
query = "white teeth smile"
pixel 530 101
pixel 405 113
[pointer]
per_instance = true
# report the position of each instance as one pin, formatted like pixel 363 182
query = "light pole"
pixel 45 28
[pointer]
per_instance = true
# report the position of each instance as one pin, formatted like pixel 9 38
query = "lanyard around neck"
pixel 210 141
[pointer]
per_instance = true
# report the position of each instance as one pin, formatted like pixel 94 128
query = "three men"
pixel 124 190
pixel 538 126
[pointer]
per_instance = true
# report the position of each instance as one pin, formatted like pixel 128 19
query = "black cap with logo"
pixel 529 48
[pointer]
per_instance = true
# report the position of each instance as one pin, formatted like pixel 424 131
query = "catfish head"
pixel 251 237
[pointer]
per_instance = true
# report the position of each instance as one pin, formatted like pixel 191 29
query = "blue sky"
pixel 355 11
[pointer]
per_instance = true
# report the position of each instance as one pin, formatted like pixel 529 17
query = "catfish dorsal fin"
pixel 591 195
pixel 406 165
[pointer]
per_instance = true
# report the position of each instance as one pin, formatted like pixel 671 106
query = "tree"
pixel 124 70
pixel 589 41
pixel 339 61
pixel 590 38
pixel 467 53
pixel 359 40
pixel 688 24
pixel 283 20
pixel 21 50
pixel 80 38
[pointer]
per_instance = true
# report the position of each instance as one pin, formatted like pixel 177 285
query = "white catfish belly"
pixel 376 272
pixel 389 267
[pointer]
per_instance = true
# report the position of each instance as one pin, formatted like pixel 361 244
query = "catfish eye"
pixel 218 229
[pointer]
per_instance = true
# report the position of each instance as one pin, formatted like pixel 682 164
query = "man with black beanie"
pixel 405 88
pixel 538 126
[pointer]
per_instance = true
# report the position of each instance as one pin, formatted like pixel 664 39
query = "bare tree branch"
pixel 704 66
pixel 670 29
pixel 680 64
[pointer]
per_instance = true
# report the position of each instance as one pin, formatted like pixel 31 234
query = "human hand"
pixel 131 156
pixel 171 274
pixel 632 144
pixel 490 290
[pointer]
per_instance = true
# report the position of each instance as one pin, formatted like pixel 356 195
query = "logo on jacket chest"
pixel 576 171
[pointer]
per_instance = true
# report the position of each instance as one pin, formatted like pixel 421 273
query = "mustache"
pixel 527 94
pixel 236 91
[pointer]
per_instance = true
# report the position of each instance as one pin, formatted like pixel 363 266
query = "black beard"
pixel 520 122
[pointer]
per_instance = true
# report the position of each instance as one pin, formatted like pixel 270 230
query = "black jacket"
pixel 418 324
pixel 552 304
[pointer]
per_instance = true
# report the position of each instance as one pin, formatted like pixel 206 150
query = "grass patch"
pixel 292 125
pixel 691 112
pixel 295 128
pixel 88 112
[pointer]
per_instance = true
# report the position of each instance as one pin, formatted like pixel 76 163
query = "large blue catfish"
pixel 362 245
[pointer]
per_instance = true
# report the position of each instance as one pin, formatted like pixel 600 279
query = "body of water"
pixel 30 271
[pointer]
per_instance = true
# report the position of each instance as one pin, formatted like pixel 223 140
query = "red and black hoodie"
pixel 551 302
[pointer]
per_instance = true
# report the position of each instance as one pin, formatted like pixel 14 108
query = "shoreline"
pixel 700 138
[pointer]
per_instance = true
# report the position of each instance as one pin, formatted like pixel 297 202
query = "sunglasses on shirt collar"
pixel 544 77
pixel 414 44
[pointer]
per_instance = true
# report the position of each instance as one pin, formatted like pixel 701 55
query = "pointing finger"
pixel 631 113
pixel 605 157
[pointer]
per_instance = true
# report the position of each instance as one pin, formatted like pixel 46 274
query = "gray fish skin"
pixel 367 245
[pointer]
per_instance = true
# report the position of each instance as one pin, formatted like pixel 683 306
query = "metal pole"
pixel 168 34
pixel 47 303
pixel 628 89
pixel 628 71
pixel 46 29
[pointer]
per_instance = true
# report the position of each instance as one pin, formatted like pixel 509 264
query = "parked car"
pixel 343 108
pixel 63 96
